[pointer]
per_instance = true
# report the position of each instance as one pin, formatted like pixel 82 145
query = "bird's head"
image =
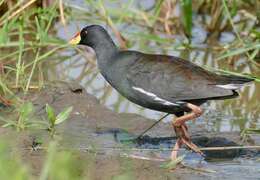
pixel 89 36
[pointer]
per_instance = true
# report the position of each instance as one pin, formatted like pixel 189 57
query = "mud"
pixel 92 124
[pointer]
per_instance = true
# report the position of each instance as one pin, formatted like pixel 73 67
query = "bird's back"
pixel 160 81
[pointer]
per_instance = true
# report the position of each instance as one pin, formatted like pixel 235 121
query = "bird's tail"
pixel 233 82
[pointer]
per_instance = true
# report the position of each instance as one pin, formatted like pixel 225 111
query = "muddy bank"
pixel 93 125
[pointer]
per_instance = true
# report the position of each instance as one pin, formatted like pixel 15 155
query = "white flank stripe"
pixel 156 98
pixel 230 86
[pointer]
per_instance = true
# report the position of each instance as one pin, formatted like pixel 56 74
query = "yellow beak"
pixel 75 40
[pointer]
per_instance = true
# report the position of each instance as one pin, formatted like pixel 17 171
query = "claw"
pixel 192 146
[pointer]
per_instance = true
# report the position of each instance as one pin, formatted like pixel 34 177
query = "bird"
pixel 159 82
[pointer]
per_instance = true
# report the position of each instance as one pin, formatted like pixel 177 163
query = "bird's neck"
pixel 104 52
pixel 104 48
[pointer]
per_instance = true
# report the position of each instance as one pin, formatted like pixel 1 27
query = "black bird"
pixel 159 82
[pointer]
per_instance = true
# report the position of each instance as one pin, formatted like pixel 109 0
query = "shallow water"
pixel 219 116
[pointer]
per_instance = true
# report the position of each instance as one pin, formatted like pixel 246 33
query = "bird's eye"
pixel 85 32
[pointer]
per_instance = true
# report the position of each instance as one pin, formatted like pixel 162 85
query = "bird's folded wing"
pixel 173 79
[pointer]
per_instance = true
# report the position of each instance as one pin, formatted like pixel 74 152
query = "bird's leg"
pixel 182 130
pixel 176 149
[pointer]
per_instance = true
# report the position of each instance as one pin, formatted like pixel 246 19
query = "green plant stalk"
pixel 257 79
pixel 47 165
pixel 1 2
pixel 18 65
pixel 13 54
pixel 187 15
pixel 123 15
pixel 46 55
pixel 20 124
pixel 51 118
pixel 157 11
pixel 29 43
pixel 5 88
pixel 240 51
pixel 52 17
pixel 52 131
pixel 255 52
pixel 33 69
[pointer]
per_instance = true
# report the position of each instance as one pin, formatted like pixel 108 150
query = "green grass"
pixel 54 119
pixel 11 166
pixel 58 164
pixel 28 42
pixel 28 36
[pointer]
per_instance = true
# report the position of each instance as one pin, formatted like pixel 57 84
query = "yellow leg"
pixel 181 130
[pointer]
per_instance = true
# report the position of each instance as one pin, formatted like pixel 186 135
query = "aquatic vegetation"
pixel 58 164
pixel 23 118
pixel 54 119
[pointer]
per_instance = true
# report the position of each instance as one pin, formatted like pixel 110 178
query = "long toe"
pixel 192 146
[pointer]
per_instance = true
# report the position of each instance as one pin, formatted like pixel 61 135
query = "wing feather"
pixel 174 79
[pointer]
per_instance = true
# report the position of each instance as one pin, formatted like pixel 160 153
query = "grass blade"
pixel 239 51
pixel 187 15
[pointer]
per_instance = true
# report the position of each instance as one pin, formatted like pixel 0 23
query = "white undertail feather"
pixel 232 86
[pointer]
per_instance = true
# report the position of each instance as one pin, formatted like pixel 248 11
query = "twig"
pixel 143 157
pixel 62 17
pixel 228 147
pixel 198 169
pixel 20 87
pixel 18 11
pixel 119 36
pixel 151 149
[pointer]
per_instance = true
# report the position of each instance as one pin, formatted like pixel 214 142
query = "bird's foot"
pixel 192 146
pixel 184 138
